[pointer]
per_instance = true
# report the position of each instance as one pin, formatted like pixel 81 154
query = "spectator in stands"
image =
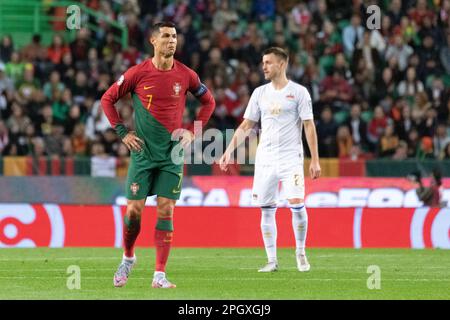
pixel 404 125
pixel 73 118
pixel 34 50
pixel 38 147
pixel 414 39
pixel 102 165
pixel 401 152
pixel 409 87
pixel 110 48
pixel 425 149
pixel 79 140
pixel 444 54
pixel 79 48
pixel 365 50
pixel 216 66
pixel 6 88
pixel 26 86
pixel 15 67
pixel 436 92
pixel 430 122
pixel 55 142
pixel 400 51
pixel 388 142
pixel 111 142
pixel 57 49
pixel 376 127
pixel 6 48
pixel 440 140
pixel 66 68
pixel 395 11
pixel 53 86
pixel 429 58
pixel 446 153
pixel 4 136
pixel 420 12
pixel 336 91
pixel 326 133
pixel 45 120
pixel 80 88
pixel 344 142
pixel 352 34
pixel 18 121
pixel 357 126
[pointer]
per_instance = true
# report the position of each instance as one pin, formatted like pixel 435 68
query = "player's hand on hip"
pixel 186 138
pixel 132 141
pixel 314 169
pixel 224 161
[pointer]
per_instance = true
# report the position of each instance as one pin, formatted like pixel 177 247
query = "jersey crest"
pixel 177 89
pixel 275 109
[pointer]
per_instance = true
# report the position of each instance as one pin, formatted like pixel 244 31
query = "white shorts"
pixel 267 179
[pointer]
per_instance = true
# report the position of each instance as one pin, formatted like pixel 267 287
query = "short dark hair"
pixel 279 52
pixel 164 24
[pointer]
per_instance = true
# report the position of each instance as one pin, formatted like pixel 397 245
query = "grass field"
pixel 227 274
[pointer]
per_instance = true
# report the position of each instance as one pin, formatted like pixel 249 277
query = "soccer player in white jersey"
pixel 284 107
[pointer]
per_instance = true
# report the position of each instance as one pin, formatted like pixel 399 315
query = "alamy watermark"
pixel 74 279
pixel 374 280
pixel 73 21
pixel 374 20
pixel 211 144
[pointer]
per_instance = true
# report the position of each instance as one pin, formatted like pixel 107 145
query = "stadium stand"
pixel 381 97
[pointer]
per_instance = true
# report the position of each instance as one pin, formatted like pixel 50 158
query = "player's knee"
pixel 295 201
pixel 165 210
pixel 134 211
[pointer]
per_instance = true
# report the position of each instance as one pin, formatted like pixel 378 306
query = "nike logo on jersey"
pixel 149 87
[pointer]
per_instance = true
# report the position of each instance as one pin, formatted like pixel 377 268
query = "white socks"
pixel 128 260
pixel 269 232
pixel 159 275
pixel 300 227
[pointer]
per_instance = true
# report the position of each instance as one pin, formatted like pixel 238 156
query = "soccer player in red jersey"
pixel 158 87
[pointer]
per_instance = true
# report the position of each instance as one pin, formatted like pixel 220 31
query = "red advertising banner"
pixel 50 225
pixel 236 191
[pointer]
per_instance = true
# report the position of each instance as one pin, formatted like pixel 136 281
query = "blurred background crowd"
pixel 376 93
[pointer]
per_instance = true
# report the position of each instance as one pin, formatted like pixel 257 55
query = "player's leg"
pixel 265 195
pixel 167 185
pixel 294 187
pixel 300 227
pixel 163 241
pixel 137 188
pixel 131 229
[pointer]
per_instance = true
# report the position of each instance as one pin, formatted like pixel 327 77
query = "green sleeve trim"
pixel 121 130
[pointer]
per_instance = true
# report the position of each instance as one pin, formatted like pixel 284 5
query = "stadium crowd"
pixel 376 93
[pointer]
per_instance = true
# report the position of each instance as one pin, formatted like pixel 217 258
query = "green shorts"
pixel 147 178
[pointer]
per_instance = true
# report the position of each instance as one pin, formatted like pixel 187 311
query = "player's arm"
pixel 311 138
pixel 424 194
pixel 239 136
pixel 207 105
pixel 251 117
pixel 117 90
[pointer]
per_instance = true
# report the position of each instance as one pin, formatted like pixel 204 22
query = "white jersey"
pixel 281 113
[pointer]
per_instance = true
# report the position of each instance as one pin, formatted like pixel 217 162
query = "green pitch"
pixel 227 274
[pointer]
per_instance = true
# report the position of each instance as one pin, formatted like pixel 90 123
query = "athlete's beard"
pixel 168 54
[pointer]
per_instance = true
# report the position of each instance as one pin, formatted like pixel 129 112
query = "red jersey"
pixel 159 98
